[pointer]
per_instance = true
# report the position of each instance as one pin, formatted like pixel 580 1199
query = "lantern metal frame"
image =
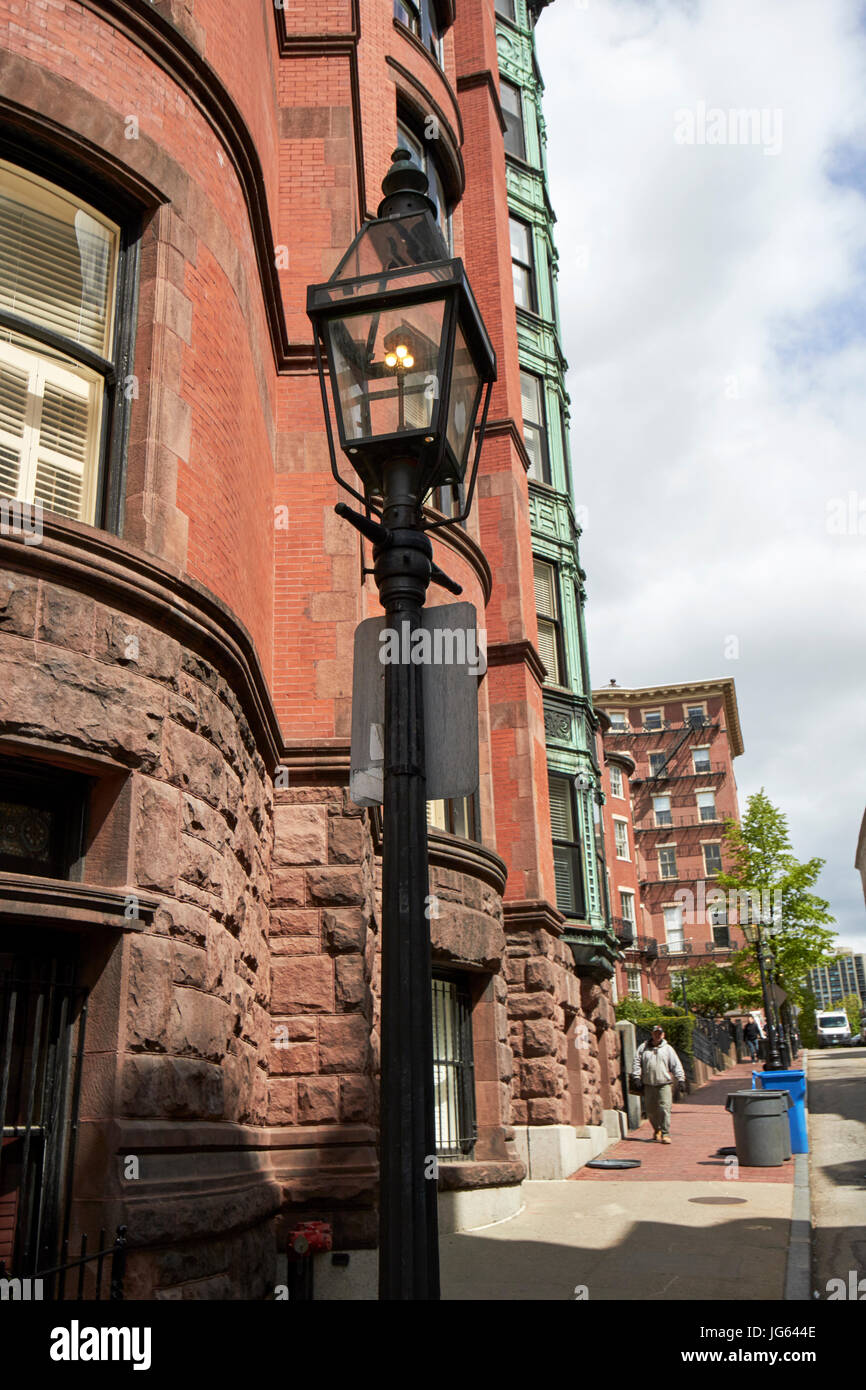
pixel 442 280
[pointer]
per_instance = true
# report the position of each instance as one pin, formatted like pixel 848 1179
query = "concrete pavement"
pixel 675 1228
pixel 837 1136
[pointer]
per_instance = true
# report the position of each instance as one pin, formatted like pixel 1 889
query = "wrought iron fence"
pixel 89 1276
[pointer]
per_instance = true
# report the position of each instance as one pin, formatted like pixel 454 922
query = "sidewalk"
pixel 699 1126
pixel 675 1228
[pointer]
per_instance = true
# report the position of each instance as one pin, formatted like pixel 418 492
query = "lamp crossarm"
pixel 382 537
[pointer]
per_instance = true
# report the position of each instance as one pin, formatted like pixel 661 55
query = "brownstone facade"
pixel 185 663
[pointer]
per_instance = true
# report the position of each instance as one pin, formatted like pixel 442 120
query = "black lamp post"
pixel 409 361
pixel 752 932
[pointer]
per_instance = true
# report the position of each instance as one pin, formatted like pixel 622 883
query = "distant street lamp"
pixel 752 932
pixel 410 365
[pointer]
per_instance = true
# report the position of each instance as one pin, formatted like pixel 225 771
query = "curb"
pixel 798 1271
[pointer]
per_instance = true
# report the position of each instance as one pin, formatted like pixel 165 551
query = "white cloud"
pixel 717 342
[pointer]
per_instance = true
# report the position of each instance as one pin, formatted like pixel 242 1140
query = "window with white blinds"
pixel 58 267
pixel 547 609
pixel 567 864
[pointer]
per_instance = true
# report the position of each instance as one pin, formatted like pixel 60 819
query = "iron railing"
pixel 50 1283
pixel 42 1022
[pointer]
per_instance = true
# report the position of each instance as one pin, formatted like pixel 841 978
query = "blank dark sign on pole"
pixel 452 656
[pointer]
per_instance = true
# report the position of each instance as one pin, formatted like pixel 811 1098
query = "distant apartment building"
pixel 846 975
pixel 667 834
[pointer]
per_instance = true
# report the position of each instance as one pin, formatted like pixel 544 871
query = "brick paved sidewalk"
pixel 699 1126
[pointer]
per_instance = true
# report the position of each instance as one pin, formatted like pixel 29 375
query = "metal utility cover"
pixel 450 680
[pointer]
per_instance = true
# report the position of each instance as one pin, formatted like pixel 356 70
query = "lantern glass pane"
pixel 463 406
pixel 391 243
pixel 387 369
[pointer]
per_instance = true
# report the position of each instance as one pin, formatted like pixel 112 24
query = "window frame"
pixel 538 427
pixel 419 147
pixel 655 729
pixel 681 929
pixel 513 121
pixel 617 795
pixel 449 815
pixel 42 786
pixel 668 813
pixel 706 791
pixel 528 267
pixel 621 821
pixel 463 1065
pixel 703 748
pixel 69 177
pixel 626 916
pixel 558 678
pixel 634 980
pixel 657 753
pixel 660 850
pixel 424 25
pixel 711 844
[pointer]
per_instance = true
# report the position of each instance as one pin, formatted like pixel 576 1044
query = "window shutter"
pixel 566 899
pixel 547 650
pixel 13 405
pixel 545 590
pixel 55 263
pixel 561 819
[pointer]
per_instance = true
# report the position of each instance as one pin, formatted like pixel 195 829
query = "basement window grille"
pixel 453 1068
pixel 42 1019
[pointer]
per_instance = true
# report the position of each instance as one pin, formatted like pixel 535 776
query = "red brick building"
pixel 665 825
pixel 189 914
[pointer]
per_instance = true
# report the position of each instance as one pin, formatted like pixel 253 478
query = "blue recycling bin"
pixel 794 1082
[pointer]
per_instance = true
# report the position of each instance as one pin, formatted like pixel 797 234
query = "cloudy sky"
pixel 713 294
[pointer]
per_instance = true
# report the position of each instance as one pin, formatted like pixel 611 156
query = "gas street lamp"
pixel 400 340
pixel 752 932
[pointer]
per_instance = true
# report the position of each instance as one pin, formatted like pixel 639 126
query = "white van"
pixel 833 1028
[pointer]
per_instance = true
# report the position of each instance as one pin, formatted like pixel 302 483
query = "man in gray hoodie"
pixel 657 1065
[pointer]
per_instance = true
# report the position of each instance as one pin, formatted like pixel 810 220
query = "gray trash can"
pixel 760 1127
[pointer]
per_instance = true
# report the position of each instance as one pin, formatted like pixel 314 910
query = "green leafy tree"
pixel 712 989
pixel 766 871
pixel 853 1008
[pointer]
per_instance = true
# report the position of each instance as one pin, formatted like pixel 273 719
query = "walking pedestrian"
pixel 751 1037
pixel 657 1066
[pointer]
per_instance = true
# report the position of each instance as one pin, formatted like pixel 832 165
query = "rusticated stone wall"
pixel 176 1050
pixel 560 1029
pixel 323 945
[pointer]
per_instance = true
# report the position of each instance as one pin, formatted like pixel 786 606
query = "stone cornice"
pixel 466 857
pixel 170 50
pixel 326 758
pixel 471 81
pixel 497 428
pixel 623 695
pixel 529 914
pixel 509 653
pixel 51 900
pixel 453 852
pixel 116 572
